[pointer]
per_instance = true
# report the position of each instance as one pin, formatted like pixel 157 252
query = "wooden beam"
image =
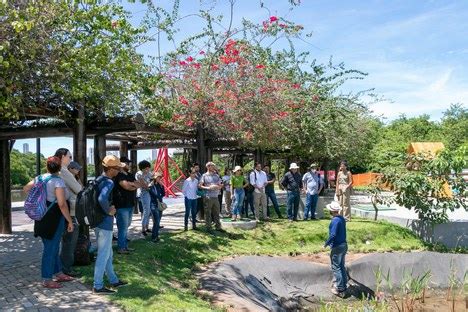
pixel 34 132
pixel 5 188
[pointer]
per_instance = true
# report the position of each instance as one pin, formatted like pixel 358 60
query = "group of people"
pixel 119 189
pixel 58 228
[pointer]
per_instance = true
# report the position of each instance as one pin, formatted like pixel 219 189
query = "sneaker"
pixel 149 231
pixel 114 238
pixel 144 233
pixel 103 291
pixel 185 228
pixel 155 240
pixel 123 252
pixel 194 227
pixel 130 249
pixel 73 274
pixel 221 230
pixel 118 284
pixel 161 226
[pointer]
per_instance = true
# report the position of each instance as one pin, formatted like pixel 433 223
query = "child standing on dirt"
pixel 339 247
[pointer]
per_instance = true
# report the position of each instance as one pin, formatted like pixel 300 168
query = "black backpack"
pixel 88 210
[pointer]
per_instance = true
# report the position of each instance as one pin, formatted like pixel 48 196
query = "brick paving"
pixel 20 264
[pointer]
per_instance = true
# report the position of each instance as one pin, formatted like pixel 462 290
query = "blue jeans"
pixel 249 201
pixel 271 195
pixel 145 200
pixel 124 218
pixel 157 220
pixel 337 257
pixel 310 206
pixel 51 263
pixel 238 201
pixel 104 259
pixel 190 208
pixel 293 204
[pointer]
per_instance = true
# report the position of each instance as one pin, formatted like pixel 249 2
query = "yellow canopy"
pixel 425 147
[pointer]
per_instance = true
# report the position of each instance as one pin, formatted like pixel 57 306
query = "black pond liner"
pixel 281 284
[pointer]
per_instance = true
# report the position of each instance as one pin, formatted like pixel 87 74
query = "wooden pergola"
pixel 132 133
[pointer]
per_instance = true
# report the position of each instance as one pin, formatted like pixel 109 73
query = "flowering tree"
pixel 235 85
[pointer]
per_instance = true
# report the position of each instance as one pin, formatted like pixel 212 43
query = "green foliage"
pixel 60 55
pixel 432 186
pixel 23 167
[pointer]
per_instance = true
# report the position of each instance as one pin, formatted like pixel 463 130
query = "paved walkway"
pixel 20 261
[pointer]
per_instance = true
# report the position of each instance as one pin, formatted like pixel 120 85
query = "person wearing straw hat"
pixel 112 167
pixel 337 242
pixel 313 184
pixel 292 182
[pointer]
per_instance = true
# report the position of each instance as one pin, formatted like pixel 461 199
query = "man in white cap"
pixel 337 241
pixel 313 184
pixel 212 184
pixel 292 182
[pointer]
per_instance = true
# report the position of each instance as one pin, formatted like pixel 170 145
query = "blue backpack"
pixel 35 205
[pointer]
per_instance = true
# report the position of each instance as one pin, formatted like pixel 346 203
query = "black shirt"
pixel 121 197
pixel 270 187
pixel 292 181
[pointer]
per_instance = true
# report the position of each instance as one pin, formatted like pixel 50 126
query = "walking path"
pixel 20 264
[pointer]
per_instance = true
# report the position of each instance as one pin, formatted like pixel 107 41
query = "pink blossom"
pixel 201 52
pixel 273 19
pixel 260 66
pixel 183 63
pixel 189 59
pixel 296 86
pixel 183 100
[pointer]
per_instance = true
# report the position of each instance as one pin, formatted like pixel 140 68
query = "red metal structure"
pixel 162 164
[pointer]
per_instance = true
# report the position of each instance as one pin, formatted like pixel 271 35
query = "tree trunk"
pixel 201 147
pixel 5 188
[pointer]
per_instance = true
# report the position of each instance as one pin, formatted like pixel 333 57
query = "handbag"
pixel 162 206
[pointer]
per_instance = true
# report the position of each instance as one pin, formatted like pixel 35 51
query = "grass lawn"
pixel 161 275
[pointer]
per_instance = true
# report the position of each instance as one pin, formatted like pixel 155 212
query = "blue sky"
pixel 415 52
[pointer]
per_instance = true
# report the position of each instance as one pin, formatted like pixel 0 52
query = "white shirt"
pixel 259 180
pixel 190 187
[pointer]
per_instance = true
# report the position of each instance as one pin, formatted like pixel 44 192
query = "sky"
pixel 414 52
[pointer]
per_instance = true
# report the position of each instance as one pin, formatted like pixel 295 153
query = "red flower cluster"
pixel 183 100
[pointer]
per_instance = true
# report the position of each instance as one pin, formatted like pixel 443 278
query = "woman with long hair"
pixel 344 182
pixel 51 227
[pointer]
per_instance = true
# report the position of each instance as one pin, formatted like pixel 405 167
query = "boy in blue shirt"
pixel 339 247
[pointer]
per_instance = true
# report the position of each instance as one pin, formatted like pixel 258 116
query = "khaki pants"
pixel 228 201
pixel 344 200
pixel 212 211
pixel 260 199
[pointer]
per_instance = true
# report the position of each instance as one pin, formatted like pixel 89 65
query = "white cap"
pixel 293 166
pixel 334 206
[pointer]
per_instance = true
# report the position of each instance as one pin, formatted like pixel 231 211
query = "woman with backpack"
pixel 52 225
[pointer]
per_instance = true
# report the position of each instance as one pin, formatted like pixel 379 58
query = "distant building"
pixel 25 148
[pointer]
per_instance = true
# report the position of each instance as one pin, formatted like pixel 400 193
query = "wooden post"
pixel 209 154
pixel 99 153
pixel 259 156
pixel 201 147
pixel 38 156
pixel 134 159
pixel 79 142
pixel 123 150
pixel 134 169
pixel 5 188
